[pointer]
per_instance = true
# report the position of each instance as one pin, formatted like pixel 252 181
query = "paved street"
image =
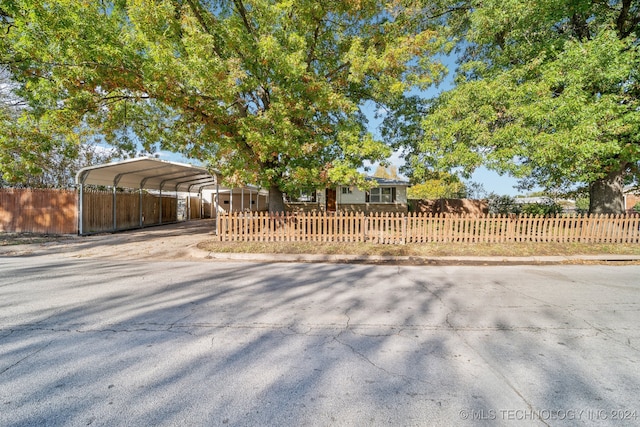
pixel 106 342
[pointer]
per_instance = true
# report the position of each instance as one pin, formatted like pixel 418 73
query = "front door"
pixel 331 199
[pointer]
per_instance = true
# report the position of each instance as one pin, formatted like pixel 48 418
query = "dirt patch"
pixel 422 250
pixel 7 239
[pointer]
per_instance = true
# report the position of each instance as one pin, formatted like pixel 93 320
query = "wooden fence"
pixel 41 211
pixel 424 228
pixel 97 211
pixel 53 211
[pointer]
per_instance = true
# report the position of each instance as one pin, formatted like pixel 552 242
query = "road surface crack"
pixel 33 353
pixel 372 363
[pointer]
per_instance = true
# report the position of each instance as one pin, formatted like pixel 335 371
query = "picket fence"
pixel 388 228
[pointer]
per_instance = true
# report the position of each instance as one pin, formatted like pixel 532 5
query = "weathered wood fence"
pixel 41 211
pixel 54 211
pixel 132 210
pixel 423 228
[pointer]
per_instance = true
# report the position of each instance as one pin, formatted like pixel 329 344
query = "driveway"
pixel 116 342
pixel 168 242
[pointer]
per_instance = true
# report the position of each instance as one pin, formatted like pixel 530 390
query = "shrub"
pixel 547 208
pixel 503 204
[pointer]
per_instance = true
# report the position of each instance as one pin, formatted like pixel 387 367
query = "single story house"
pixel 387 195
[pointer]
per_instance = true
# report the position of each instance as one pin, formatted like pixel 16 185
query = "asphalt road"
pixel 105 342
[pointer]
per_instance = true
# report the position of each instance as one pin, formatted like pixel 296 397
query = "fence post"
pixel 404 229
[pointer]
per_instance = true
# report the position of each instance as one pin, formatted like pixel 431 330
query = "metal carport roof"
pixel 149 174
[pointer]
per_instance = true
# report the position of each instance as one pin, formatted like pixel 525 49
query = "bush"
pixel 636 207
pixel 503 204
pixel 508 205
pixel 582 205
pixel 547 208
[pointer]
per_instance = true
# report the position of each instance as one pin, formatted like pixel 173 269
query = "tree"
pixel 547 91
pixel 33 154
pixel 390 172
pixel 267 92
pixel 438 186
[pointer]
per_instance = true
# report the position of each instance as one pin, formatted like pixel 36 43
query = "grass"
pixel 424 249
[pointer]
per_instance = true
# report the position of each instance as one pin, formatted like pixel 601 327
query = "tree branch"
pixel 332 74
pixel 622 17
pixel 243 14
pixel 312 48
pixel 205 26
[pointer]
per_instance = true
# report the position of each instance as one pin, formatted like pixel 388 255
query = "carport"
pixel 145 176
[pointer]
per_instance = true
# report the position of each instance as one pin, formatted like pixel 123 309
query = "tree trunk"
pixel 606 195
pixel 276 199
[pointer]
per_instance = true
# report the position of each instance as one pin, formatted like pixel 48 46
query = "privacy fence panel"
pixel 388 228
pixel 38 211
pixel 98 210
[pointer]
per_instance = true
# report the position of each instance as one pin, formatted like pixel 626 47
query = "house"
pixel 387 195
pixel 631 198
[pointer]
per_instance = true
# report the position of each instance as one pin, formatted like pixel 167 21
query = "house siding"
pixel 374 207
pixel 359 196
pixel 356 196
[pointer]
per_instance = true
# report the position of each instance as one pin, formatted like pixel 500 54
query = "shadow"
pixel 94 341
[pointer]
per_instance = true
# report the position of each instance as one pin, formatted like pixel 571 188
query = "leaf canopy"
pixel 267 92
pixel 547 91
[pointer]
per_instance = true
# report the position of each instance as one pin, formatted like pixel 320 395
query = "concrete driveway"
pixel 176 241
pixel 108 342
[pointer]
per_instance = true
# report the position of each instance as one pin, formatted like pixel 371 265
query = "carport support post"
pixel 141 222
pixel 242 199
pixel 80 210
pixel 160 205
pixel 201 204
pixel 115 220
pixel 217 199
pixel 217 205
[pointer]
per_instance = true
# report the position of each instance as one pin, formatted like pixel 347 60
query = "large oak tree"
pixel 547 91
pixel 266 91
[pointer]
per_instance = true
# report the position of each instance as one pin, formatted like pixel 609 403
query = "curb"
pixel 421 260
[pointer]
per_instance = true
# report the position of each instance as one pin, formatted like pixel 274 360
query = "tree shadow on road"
pixel 246 344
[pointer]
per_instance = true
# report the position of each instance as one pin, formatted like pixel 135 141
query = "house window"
pixel 346 190
pixel 382 195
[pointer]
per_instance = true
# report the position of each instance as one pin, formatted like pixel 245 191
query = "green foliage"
pixel 636 207
pixel 390 172
pixel 436 189
pixel 504 204
pixel 509 205
pixel 267 92
pixel 547 208
pixel 582 205
pixel 547 92
pixel 438 186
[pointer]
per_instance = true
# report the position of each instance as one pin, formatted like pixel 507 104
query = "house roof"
pixel 148 173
